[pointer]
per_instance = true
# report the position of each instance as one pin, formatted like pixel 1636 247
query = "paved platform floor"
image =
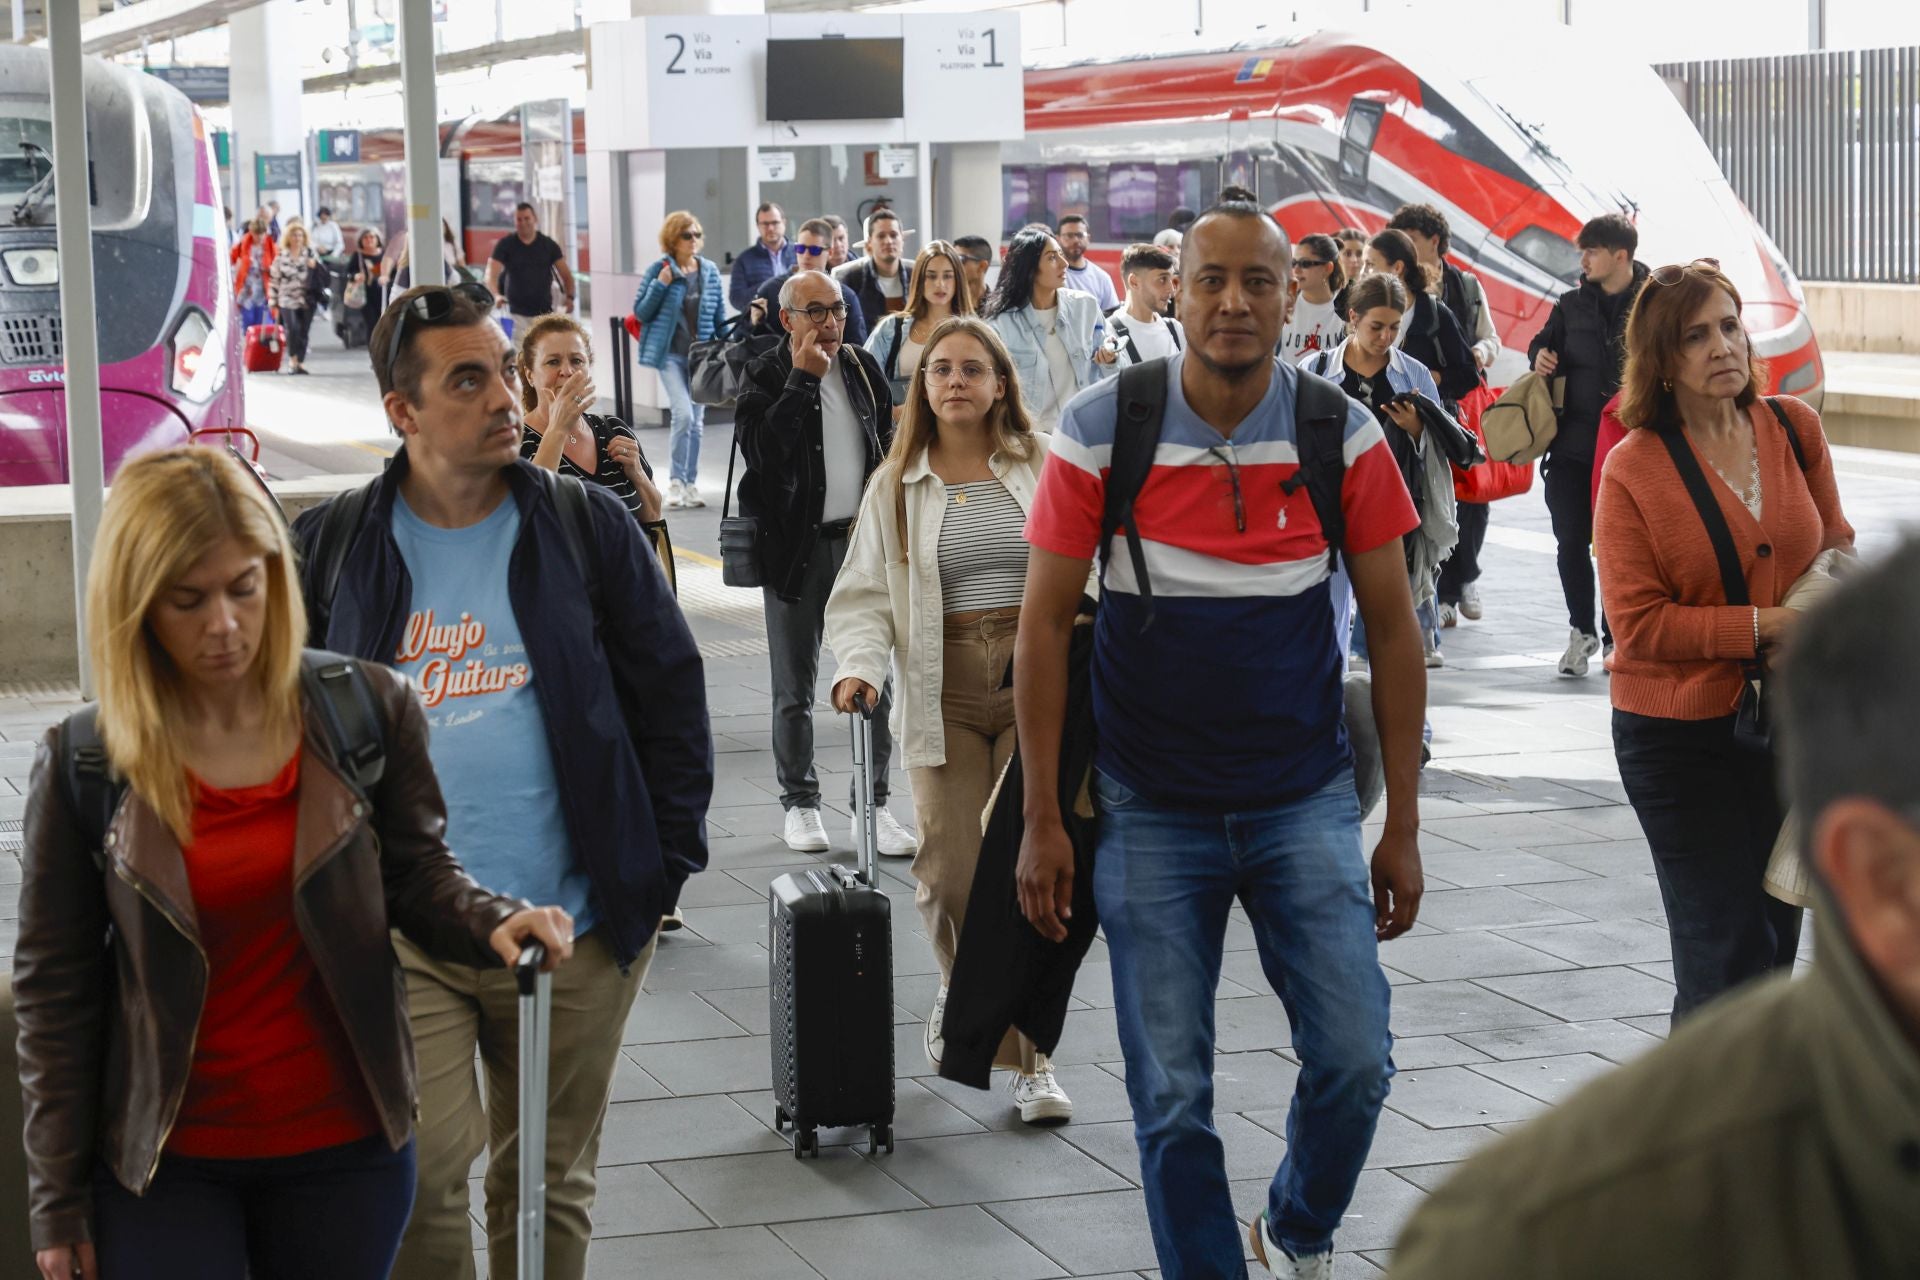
pixel 1540 961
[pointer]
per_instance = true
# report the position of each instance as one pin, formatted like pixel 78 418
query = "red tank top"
pixel 273 1071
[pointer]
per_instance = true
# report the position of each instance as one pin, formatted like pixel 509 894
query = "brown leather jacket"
pixel 107 1032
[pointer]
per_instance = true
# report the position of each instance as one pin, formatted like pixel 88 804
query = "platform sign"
pixel 339 146
pixel 898 162
pixel 963 77
pixel 706 79
pixel 776 166
pixel 276 173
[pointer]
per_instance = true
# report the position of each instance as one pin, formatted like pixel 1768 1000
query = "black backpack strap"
pixel 1126 331
pixel 1141 409
pixel 1732 580
pixel 1173 331
pixel 342 700
pixel 1793 436
pixel 900 328
pixel 339 526
pixel 1320 435
pixel 576 522
pixel 93 791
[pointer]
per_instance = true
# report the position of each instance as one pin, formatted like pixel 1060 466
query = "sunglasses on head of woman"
pixel 1674 274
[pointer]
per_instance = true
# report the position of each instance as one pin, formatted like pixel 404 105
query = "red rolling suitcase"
pixel 831 986
pixel 265 344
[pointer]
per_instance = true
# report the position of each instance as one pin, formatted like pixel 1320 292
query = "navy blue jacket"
pixel 624 702
pixel 753 267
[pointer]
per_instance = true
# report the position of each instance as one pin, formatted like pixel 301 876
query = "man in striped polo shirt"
pixel 1223 770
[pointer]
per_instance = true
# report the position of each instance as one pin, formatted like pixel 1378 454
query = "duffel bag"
pixel 1492 480
pixel 717 367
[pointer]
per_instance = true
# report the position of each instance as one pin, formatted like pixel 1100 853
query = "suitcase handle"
pixel 536 1013
pixel 865 819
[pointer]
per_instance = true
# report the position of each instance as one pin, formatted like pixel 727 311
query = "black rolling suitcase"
pixel 536 1018
pixel 832 987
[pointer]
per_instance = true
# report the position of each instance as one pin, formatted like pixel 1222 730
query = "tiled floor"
pixel 1538 963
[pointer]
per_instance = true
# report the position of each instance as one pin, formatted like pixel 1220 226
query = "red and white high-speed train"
pixel 1518 135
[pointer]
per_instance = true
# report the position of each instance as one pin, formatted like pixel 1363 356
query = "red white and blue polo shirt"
pixel 1231 701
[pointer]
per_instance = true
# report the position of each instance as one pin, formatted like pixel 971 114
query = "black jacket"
pixel 777 420
pixel 624 695
pixel 1433 338
pixel 1588 331
pixel 860 277
pixel 1004 973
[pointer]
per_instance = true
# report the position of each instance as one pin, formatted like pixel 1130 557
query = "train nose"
pixel 33 432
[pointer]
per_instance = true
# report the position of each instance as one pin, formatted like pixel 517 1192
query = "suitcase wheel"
pixel 879 1136
pixel 781 1119
pixel 805 1143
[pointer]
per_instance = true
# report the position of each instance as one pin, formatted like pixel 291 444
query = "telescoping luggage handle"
pixel 536 1014
pixel 866 821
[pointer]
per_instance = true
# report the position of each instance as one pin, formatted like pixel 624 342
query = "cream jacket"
pixel 884 607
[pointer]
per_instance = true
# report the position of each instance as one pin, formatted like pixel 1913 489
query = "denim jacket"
pixel 623 695
pixel 1082 328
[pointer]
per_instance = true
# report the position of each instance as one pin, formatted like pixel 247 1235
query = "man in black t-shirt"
pixel 528 258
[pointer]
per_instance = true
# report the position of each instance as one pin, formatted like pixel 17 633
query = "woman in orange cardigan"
pixel 252 257
pixel 1691 395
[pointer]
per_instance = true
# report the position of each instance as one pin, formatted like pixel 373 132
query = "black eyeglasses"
pixel 809 250
pixel 1672 275
pixel 818 313
pixel 433 307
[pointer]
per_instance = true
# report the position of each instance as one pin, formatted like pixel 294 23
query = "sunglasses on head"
pixel 809 250
pixel 433 307
pixel 1674 274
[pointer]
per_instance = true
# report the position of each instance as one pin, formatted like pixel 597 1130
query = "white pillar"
pixel 422 142
pixel 970 191
pixel 86 468
pixel 264 84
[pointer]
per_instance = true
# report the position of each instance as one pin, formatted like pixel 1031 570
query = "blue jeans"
pixel 324 1214
pixel 1164 880
pixel 689 420
pixel 253 315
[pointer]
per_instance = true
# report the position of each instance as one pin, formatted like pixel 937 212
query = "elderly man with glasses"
pixel 812 251
pixel 815 421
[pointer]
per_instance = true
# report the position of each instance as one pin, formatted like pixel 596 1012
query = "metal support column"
pixel 924 196
pixel 1816 25
pixel 80 338
pixel 422 142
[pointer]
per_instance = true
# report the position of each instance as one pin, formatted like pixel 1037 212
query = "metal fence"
pixel 1824 148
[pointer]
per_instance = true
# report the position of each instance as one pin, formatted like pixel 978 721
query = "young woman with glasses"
pixel 1055 335
pixel 938 292
pixel 939 536
pixel 1314 323
pixel 679 304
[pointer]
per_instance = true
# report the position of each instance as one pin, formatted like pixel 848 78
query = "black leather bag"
pixel 741 564
pixel 717 367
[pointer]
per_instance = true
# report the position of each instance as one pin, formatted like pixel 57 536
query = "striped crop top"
pixel 983 550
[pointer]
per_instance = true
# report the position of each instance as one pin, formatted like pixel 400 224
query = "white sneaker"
pixel 676 494
pixel 1449 616
pixel 1470 606
pixel 1580 646
pixel 805 832
pixel 895 840
pixel 1039 1096
pixel 1278 1262
pixel 690 496
pixel 937 1043
pixel 1435 658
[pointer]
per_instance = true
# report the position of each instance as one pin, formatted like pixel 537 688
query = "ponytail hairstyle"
pixel 1329 248
pixel 1398 250
pixel 1375 289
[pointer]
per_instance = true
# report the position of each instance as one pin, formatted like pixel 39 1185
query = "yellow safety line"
pixel 697 558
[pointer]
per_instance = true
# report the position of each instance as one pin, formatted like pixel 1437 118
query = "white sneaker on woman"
pixel 690 495
pixel 936 1042
pixel 1039 1096
pixel 1471 606
pixel 676 494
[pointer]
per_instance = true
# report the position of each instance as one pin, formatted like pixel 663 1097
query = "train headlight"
pixel 33 266
pixel 188 356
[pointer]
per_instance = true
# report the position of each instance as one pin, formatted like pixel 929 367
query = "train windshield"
pixel 26 151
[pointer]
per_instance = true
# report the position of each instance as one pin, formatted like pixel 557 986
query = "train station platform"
pixel 1873 399
pixel 1540 962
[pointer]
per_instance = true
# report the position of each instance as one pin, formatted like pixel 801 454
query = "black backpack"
pixel 336 691
pixel 340 525
pixel 1319 425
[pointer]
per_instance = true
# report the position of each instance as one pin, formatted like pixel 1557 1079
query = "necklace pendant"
pixel 960 498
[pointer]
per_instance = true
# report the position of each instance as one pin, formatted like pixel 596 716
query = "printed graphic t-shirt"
pixel 1315 326
pixel 463 650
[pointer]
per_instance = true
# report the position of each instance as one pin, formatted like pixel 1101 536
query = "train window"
pixel 1016 197
pixel 1357 136
pixel 1069 190
pixel 1192 185
pixel 1133 202
pixel 1554 254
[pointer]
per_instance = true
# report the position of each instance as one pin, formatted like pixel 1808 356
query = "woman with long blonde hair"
pixel 939 536
pixel 213 1040
pixel 936 293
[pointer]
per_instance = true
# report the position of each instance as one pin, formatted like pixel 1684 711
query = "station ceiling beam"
pixel 127 29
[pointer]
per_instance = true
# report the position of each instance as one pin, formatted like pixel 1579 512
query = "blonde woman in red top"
pixel 1691 397
pixel 214 1053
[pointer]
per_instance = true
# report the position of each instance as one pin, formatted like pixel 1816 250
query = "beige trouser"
pixel 456 1010
pixel 949 800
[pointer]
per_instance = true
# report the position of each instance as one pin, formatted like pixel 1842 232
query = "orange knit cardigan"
pixel 1678 643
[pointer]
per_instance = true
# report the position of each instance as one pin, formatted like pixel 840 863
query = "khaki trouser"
pixel 454 1011
pixel 949 800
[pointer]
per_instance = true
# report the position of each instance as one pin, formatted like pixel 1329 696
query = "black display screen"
pixel 835 79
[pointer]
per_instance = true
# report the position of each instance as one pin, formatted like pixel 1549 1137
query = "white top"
pixel 1315 326
pixel 843 446
pixel 983 550
pixel 889 285
pixel 909 355
pixel 1151 338
pixel 1059 386
pixel 326 237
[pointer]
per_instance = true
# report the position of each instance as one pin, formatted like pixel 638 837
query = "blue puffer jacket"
pixel 657 307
